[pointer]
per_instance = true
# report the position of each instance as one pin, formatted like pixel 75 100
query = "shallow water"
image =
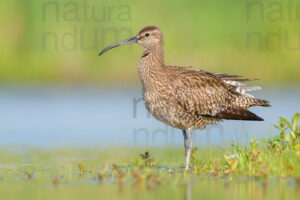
pixel 169 186
pixel 90 116
pixel 192 189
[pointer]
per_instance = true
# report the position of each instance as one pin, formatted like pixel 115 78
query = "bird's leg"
pixel 187 135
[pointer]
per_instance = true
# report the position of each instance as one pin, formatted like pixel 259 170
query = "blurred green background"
pixel 45 42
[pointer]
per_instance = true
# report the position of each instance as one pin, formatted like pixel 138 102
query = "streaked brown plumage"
pixel 185 98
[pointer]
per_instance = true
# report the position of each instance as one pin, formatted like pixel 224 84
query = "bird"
pixel 186 98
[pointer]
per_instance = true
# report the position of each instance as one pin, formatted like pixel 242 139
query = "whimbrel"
pixel 188 99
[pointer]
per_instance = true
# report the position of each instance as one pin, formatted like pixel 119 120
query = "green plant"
pixel 148 161
pixel 289 131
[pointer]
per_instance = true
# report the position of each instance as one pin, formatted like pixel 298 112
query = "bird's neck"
pixel 153 56
pixel 151 65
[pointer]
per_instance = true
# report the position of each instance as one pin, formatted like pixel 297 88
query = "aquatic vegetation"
pixel 289 131
pixel 265 168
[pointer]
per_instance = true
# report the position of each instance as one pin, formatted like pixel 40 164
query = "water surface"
pixel 91 116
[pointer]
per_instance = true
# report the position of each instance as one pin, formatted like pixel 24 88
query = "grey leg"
pixel 187 135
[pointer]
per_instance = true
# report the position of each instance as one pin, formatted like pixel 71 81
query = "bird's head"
pixel 149 36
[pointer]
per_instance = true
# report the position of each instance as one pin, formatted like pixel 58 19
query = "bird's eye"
pixel 147 34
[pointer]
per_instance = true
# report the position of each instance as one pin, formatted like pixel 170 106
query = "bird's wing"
pixel 202 94
pixel 235 83
pixel 238 83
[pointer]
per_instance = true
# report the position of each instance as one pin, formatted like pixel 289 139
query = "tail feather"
pixel 261 102
pixel 238 113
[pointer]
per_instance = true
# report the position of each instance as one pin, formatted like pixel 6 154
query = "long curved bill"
pixel 128 41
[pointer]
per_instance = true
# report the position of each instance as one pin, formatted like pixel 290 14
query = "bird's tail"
pixel 260 102
pixel 238 113
pixel 246 102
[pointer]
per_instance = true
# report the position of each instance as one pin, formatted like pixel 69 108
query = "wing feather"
pixel 203 94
